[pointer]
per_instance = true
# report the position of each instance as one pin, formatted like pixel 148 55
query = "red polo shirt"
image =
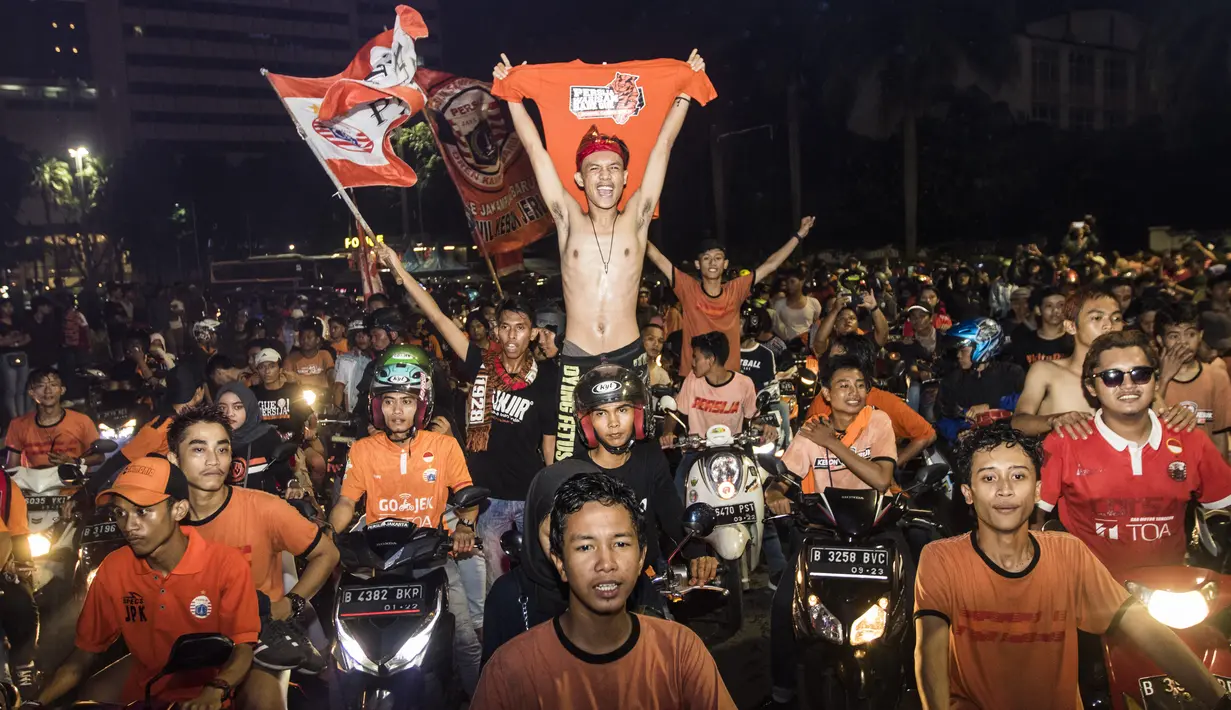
pixel 1126 501
pixel 209 591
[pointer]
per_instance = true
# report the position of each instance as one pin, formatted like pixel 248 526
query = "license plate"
pixel 737 513
pixel 1160 692
pixel 99 532
pixel 849 563
pixel 40 504
pixel 383 600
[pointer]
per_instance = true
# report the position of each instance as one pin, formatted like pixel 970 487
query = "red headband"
pixel 595 142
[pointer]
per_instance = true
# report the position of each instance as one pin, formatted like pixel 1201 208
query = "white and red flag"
pixel 347 118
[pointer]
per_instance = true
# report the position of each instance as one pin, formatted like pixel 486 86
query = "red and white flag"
pixel 347 118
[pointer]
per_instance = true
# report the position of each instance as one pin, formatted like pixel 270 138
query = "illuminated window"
pixel 57 50
pixel 74 50
pixel 54 26
pixel 138 31
pixel 71 26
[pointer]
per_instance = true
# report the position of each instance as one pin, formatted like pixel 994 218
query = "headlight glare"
pixel 871 625
pixel 1179 610
pixel 40 544
pixel 411 653
pixel 725 475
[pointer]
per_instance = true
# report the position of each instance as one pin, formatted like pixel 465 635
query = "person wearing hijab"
pixel 252 443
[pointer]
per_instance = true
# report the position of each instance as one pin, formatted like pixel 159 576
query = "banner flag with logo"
pixel 474 134
pixel 347 118
pixel 629 100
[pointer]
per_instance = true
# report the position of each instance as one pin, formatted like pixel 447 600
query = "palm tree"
pixel 416 146
pixel 77 194
pixel 53 180
pixel 916 48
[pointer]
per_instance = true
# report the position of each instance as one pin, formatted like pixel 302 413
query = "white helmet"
pixel 202 329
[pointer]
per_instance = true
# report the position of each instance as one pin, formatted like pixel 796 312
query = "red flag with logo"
pixel 474 134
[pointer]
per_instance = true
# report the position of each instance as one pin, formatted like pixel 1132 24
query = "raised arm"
pixel 444 324
pixel 550 187
pixel 880 326
pixel 661 261
pixel 775 260
pixel 643 203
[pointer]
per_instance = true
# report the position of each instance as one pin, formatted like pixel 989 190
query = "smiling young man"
pixel 1125 489
pixel 511 416
pixel 167 581
pixel 50 435
pixel 709 304
pixel 997 610
pixel 609 656
pixel 261 526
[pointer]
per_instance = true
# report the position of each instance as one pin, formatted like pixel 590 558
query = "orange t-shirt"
pixel 907 424
pixel 629 100
pixel 72 435
pixel 704 313
pixel 18 522
pixel 209 591
pixel 341 347
pixel 1208 395
pixel 663 666
pixel 1013 636
pixel 821 469
pixel 312 371
pixel 408 484
pixel 261 527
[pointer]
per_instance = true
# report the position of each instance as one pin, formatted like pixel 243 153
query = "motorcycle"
pixel 191 652
pixel 119 413
pixel 726 475
pixel 854 590
pixel 672 584
pixel 391 615
pixel 52 541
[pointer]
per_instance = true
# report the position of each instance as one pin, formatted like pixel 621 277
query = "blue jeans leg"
pixel 500 516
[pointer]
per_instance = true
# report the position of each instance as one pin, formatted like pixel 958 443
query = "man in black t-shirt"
pixel 1050 341
pixel 281 403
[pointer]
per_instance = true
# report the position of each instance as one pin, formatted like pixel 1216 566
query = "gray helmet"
pixel 606 384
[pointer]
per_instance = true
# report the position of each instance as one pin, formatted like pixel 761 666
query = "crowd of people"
pixel 1073 380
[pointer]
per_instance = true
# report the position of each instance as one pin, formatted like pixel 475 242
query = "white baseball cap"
pixel 268 355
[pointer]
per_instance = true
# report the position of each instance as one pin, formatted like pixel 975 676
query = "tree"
pixel 78 194
pixel 916 48
pixel 417 147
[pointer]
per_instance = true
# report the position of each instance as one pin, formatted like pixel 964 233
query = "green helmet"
pixel 404 368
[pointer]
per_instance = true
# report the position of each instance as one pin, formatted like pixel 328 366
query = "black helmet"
pixel 606 384
pixel 386 318
pixel 756 320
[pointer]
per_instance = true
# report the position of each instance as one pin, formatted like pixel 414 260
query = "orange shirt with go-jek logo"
pixel 209 591
pixel 405 483
pixel 629 100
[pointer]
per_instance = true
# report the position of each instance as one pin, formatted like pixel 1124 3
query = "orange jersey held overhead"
pixel 70 436
pixel 405 483
pixel 629 100
pixel 261 527
pixel 209 591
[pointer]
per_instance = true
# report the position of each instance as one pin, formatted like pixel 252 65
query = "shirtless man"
pixel 601 305
pixel 1053 398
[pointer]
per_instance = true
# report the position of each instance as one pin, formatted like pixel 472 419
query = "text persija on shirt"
pixel 629 100
pixel 706 405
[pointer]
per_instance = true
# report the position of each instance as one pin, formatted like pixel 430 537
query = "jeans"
pixel 784 429
pixel 467 651
pixel 15 369
pixel 473 571
pixel 500 516
pixel 771 548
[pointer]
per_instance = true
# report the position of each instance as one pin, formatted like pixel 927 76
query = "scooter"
pixel 672 584
pixel 52 541
pixel 190 652
pixel 726 475
pixel 854 591
pixel 391 615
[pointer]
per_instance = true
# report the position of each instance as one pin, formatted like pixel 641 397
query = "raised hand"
pixel 501 70
pixel 805 226
pixel 694 61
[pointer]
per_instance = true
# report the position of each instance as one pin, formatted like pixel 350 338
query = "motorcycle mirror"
pixel 102 446
pixel 667 404
pixel 764 399
pixel 470 496
pixel 191 652
pixel 699 519
pixel 931 474
pixel 284 451
pixel 510 543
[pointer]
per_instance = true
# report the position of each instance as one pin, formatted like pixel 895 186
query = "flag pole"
pixel 491 268
pixel 325 166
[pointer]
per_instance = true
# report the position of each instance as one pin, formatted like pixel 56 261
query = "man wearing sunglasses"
pixel 1124 490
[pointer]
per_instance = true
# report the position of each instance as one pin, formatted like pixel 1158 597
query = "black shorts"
pixel 572 367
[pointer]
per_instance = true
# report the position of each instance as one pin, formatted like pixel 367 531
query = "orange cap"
pixel 147 481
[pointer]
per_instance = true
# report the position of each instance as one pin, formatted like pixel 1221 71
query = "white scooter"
pixel 727 477
pixel 51 539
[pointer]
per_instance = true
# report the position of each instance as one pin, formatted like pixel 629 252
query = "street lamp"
pixel 78 154
pixel 292 248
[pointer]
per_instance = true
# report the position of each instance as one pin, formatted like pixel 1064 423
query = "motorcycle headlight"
pixel 106 432
pixel 1179 610
pixel 411 652
pixel 724 474
pixel 871 625
pixel 823 622
pixel 350 654
pixel 40 544
pixel 309 397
